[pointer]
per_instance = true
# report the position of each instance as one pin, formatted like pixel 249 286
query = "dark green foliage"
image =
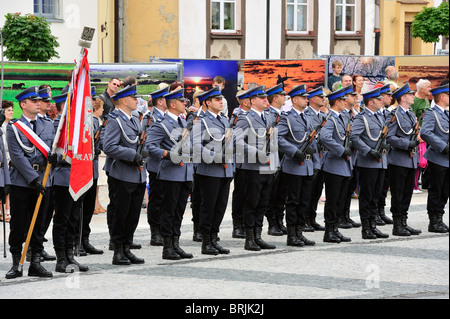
pixel 28 38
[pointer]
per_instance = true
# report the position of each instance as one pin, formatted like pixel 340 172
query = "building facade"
pixel 135 31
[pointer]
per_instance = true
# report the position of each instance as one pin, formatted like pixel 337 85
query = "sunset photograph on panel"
pixel 289 72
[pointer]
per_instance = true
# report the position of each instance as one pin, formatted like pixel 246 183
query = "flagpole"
pixel 86 37
pixel 33 220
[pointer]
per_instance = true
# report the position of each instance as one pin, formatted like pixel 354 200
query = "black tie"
pixel 264 119
pixel 303 118
pixel 180 122
pixel 220 119
pixel 446 113
pixel 33 125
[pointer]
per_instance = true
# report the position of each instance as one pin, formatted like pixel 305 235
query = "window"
pixel 223 15
pixel 346 15
pixel 46 8
pixel 297 16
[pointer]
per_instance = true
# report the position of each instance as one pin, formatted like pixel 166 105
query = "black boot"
pixel 36 269
pixel 62 265
pixel 71 260
pixel 273 227
pixel 408 228
pixel 314 223
pixel 441 221
pixel 292 239
pixel 340 236
pixel 130 256
pixel 80 251
pixel 217 245
pixel 376 231
pixel 366 230
pixel 207 246
pixel 280 224
pixel 238 231
pixel 197 235
pixel 119 257
pixel 259 241
pixel 16 270
pixel 168 251
pixel 178 250
pixel 343 223
pixel 250 243
pixel 329 236
pixel 434 226
pixel 384 217
pixel 351 221
pixel 398 229
pixel 303 238
pixel 155 236
pixel 46 256
pixel 378 220
pixel 91 249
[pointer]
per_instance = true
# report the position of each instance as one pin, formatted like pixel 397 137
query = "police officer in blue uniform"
pixel 366 132
pixel 316 100
pixel 434 132
pixel 26 172
pixel 49 206
pixel 152 164
pixel 196 199
pixel 275 214
pixel 175 172
pixel 127 177
pixel 345 221
pixel 294 131
pixel 382 218
pixel 403 160
pixel 258 166
pixel 90 195
pixel 239 182
pixel 337 166
pixel 214 170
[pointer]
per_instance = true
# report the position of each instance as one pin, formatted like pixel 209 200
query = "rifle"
pixel 185 135
pixel 270 134
pixel 97 135
pixel 382 139
pixel 414 138
pixel 141 145
pixel 311 137
pixel 348 131
pixel 228 136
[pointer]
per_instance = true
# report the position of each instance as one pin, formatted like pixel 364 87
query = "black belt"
pixel 36 167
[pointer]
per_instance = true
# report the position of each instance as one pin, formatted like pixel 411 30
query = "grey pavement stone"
pixel 415 267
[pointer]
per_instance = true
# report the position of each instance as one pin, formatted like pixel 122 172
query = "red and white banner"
pixel 74 135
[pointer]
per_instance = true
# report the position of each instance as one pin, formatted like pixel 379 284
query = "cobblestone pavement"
pixel 415 267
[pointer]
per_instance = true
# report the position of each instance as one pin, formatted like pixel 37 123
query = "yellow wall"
pixel 105 37
pixel 150 30
pixel 393 16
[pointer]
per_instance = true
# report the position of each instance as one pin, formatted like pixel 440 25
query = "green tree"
pixel 431 23
pixel 28 38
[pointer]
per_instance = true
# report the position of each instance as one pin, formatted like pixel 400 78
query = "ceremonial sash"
pixel 33 138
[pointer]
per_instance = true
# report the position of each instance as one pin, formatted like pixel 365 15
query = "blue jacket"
pixel 366 130
pixel 435 133
pixel 120 144
pixel 163 136
pixel 208 149
pixel 333 138
pixel 399 137
pixel 250 139
pixel 293 133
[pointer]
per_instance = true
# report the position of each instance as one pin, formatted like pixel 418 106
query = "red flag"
pixel 74 136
